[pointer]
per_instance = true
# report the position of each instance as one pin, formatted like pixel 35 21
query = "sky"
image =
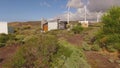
pixel 95 9
pixel 28 10
pixel 34 10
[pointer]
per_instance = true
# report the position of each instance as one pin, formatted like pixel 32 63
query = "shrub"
pixel 2 44
pixel 86 46
pixel 10 29
pixel 45 51
pixel 13 42
pixel 95 47
pixel 111 21
pixel 110 48
pixel 71 57
pixel 3 39
pixel 36 52
pixel 77 29
pixel 109 36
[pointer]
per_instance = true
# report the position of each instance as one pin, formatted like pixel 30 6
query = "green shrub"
pixel 36 52
pixel 69 57
pixel 109 36
pixel 117 46
pixel 3 39
pixel 13 42
pixel 2 44
pixel 10 29
pixel 45 51
pixel 95 48
pixel 111 21
pixel 110 48
pixel 77 29
pixel 86 46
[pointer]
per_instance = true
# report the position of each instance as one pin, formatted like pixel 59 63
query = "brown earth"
pixel 75 39
pixel 6 53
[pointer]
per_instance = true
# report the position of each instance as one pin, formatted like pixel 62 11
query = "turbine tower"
pixel 85 18
pixel 68 15
pixel 98 16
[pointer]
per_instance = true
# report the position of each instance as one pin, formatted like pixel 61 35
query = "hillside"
pixel 27 47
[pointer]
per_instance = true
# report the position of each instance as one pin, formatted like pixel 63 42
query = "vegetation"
pixel 86 46
pixel 95 47
pixel 45 51
pixel 69 56
pixel 109 35
pixel 77 29
pixel 5 38
pixel 36 52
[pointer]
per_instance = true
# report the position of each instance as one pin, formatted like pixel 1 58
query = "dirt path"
pixel 6 53
pixel 95 59
pixel 75 40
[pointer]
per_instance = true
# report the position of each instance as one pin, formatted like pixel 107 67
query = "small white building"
pixel 52 25
pixel 84 23
pixel 4 27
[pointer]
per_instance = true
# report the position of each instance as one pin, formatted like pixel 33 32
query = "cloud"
pixel 102 5
pixel 78 15
pixel 93 7
pixel 75 3
pixel 43 4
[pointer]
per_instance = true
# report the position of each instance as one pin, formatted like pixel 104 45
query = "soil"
pixel 97 60
pixel 6 52
pixel 75 40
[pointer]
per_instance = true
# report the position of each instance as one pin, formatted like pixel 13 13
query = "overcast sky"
pixel 27 10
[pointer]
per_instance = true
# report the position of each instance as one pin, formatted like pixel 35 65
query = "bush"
pixel 45 51
pixel 36 52
pixel 109 36
pixel 77 29
pixel 69 57
pixel 95 48
pixel 3 39
pixel 2 44
pixel 111 21
pixel 110 48
pixel 86 46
